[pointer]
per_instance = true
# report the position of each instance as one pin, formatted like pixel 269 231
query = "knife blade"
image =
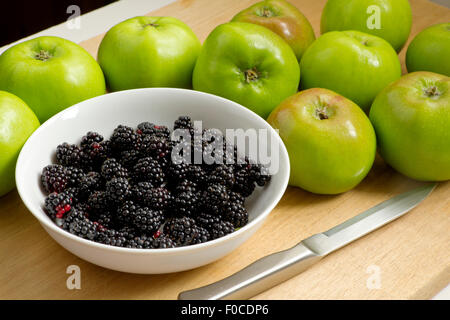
pixel 280 266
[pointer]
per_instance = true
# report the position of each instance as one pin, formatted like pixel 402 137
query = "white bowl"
pixel 160 106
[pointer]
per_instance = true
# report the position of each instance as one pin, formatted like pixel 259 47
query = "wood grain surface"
pixel 411 253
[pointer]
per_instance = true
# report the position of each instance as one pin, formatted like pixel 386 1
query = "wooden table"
pixel 411 254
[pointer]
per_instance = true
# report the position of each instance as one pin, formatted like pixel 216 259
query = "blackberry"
pixel 124 138
pixel 148 169
pixel 183 122
pixel 111 168
pixel 105 220
pixel 129 158
pixel 90 182
pixel 202 235
pixel 244 184
pixel 155 198
pixel 54 178
pixel 96 153
pixel 98 202
pixel 186 204
pixel 126 211
pixel 220 229
pixel 73 215
pixel 83 228
pixel 259 174
pixel 207 220
pixel 186 186
pixel 69 155
pixel 235 213
pixel 141 242
pixel 128 232
pixel 58 204
pixel 215 197
pixel 222 174
pixel 112 238
pixel 90 138
pixel 117 190
pixel 177 172
pixel 182 230
pixel 236 197
pixel 155 147
pixel 197 175
pixel 75 176
pixel 148 128
pixel 162 242
pixel 147 220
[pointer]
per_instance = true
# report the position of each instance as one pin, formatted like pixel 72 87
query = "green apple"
pixel 149 52
pixel 352 63
pixel 387 19
pixel 430 50
pixel 330 140
pixel 17 123
pixel 411 118
pixel 50 74
pixel 282 18
pixel 248 64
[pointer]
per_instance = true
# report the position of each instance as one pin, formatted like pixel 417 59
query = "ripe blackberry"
pixel 148 169
pixel 155 147
pixel 141 242
pixel 75 176
pixel 236 197
pixel 207 220
pixel 155 198
pixel 124 138
pixel 220 229
pixel 69 155
pixel 197 175
pixel 128 232
pixel 186 204
pixel 54 178
pixel 182 230
pixel 235 213
pixel 147 220
pixel 215 197
pixel 90 138
pixel 76 214
pixel 129 158
pixel 222 174
pixel 83 228
pixel 259 174
pixel 58 204
pixel 183 122
pixel 111 168
pixel 96 153
pixel 162 242
pixel 202 235
pixel 177 172
pixel 117 190
pixel 98 202
pixel 105 220
pixel 126 211
pixel 186 186
pixel 90 182
pixel 148 128
pixel 111 237
pixel 244 184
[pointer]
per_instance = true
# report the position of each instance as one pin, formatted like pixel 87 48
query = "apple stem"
pixel 266 12
pixel 251 75
pixel 432 92
pixel 322 113
pixel 43 55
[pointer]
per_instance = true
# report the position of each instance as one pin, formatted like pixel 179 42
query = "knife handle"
pixel 258 276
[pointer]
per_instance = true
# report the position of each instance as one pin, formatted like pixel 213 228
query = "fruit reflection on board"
pixel 260 59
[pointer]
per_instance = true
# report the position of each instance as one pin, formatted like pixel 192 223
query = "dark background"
pixel 20 18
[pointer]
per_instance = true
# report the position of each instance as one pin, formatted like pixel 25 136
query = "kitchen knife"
pixel 280 266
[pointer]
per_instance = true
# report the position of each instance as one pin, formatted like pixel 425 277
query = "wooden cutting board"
pixel 407 259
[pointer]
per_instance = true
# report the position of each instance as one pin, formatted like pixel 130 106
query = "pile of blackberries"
pixel 132 191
